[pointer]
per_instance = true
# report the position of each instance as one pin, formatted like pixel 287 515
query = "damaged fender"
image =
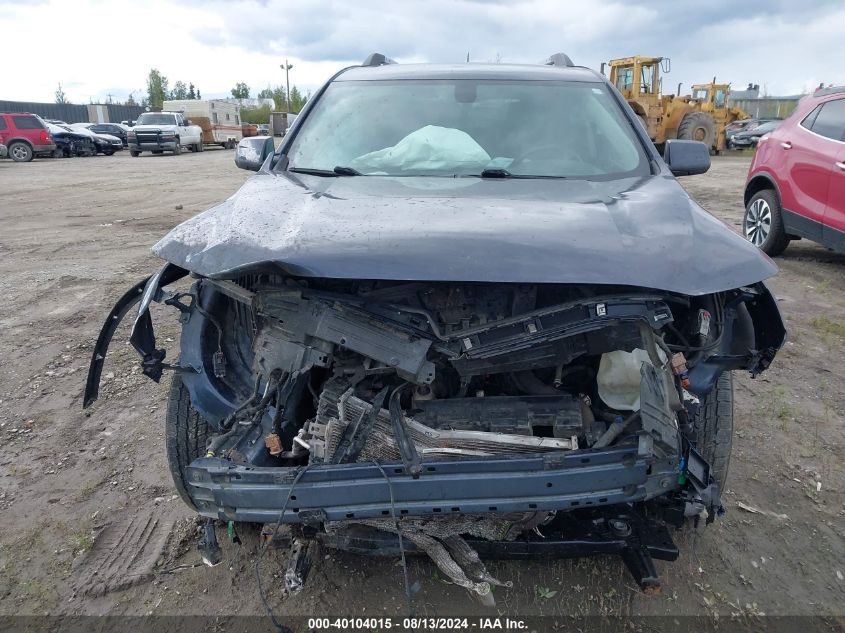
pixel 142 337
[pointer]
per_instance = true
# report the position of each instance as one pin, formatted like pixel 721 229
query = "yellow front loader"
pixel 714 99
pixel 663 116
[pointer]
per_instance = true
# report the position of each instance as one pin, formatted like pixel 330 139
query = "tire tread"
pixel 186 436
pixel 713 424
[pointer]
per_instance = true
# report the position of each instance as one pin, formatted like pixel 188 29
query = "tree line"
pixel 278 94
pixel 159 91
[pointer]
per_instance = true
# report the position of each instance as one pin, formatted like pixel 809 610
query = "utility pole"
pixel 286 67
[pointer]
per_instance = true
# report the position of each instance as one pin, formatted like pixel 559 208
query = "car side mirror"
pixel 686 158
pixel 252 151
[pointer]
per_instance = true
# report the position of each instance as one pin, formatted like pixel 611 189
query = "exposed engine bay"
pixel 489 409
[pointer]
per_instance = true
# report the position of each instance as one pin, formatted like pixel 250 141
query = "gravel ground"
pixel 90 524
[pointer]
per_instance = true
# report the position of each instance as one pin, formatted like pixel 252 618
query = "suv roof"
pixel 532 72
pixel 833 90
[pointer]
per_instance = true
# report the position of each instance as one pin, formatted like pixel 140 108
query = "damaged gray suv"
pixel 465 310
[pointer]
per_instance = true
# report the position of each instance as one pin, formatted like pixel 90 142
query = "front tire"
pixel 185 435
pixel 134 154
pixel 762 224
pixel 698 126
pixel 20 152
pixel 713 424
pixel 178 149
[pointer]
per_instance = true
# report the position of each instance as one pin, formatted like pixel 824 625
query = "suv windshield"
pixel 464 127
pixel 155 118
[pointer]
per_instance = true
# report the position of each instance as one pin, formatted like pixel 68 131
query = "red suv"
pixel 25 136
pixel 796 184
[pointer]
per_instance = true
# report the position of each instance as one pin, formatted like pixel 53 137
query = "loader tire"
pixel 186 435
pixel 698 126
pixel 713 424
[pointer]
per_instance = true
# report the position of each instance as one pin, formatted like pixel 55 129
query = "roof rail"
pixel 559 59
pixel 377 59
pixel 829 91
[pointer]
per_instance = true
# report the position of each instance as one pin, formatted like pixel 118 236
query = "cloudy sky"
pixel 100 47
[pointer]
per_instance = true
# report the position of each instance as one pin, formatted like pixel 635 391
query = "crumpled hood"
pixel 641 232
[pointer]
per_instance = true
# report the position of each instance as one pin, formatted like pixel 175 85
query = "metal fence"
pixel 75 113
pixel 776 107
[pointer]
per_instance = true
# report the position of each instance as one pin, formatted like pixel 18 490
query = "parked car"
pixel 796 183
pixel 70 142
pixel 263 130
pixel 112 129
pixel 25 136
pixel 750 137
pixel 745 125
pixel 490 311
pixel 103 143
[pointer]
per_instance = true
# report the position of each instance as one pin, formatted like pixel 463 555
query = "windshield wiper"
pixel 340 170
pixel 313 172
pixel 495 172
pixel 499 172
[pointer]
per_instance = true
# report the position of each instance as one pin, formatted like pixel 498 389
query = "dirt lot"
pixel 89 524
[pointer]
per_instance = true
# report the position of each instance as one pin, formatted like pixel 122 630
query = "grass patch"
pixel 782 408
pixel 87 490
pixel 827 327
pixel 81 541
pixel 33 587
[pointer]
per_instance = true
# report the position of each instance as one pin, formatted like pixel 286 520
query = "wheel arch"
pixel 19 139
pixel 758 183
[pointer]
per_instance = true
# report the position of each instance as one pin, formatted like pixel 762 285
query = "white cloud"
pixel 95 48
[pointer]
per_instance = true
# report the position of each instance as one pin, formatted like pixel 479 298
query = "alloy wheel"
pixel 758 222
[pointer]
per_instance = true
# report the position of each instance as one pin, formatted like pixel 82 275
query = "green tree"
pixel 130 100
pixel 180 91
pixel 240 91
pixel 297 100
pixel 199 96
pixel 266 93
pixel 192 93
pixel 255 115
pixel 60 95
pixel 279 99
pixel 156 88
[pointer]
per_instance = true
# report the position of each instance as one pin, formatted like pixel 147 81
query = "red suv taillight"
pixel 45 136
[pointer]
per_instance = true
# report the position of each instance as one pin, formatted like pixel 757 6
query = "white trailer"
pixel 220 120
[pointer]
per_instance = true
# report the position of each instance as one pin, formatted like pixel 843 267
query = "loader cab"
pixel 638 76
pixel 638 79
pixel 713 94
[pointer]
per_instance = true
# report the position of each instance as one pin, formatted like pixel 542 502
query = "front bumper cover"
pixel 147 147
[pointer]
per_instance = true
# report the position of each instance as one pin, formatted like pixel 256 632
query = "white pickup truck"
pixel 158 132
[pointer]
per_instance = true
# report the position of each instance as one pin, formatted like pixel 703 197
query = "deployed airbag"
pixel 429 148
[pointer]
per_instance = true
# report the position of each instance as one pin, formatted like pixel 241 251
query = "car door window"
pixel 27 123
pixel 830 120
pixel 2 123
